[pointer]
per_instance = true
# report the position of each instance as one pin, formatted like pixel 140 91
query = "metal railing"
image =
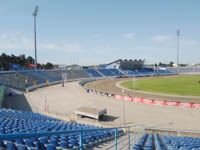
pixel 136 131
pixel 131 137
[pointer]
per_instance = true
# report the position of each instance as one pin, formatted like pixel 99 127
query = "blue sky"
pixel 101 31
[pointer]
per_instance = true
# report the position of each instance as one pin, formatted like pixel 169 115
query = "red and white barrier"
pixel 196 105
pixel 149 101
pixel 187 105
pixel 157 102
pixel 172 103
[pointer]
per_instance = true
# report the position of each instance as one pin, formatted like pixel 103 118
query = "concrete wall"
pixel 173 132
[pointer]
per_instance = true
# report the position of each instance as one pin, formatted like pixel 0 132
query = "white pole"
pixel 134 83
pixel 123 108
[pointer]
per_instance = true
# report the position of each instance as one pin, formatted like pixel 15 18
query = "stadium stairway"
pixel 92 73
pixel 123 74
pixel 110 145
pixel 100 73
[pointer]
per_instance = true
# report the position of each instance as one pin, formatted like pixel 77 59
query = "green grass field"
pixel 174 85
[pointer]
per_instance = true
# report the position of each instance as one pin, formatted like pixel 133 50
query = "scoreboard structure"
pixel 131 64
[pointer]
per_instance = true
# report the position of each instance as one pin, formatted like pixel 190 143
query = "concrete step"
pixel 110 145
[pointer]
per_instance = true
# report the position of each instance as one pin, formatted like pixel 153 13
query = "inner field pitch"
pixel 186 85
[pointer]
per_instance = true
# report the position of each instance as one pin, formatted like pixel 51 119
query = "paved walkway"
pixel 64 100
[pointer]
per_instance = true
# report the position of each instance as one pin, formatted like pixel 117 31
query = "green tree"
pixel 160 64
pixel 49 65
pixel 171 63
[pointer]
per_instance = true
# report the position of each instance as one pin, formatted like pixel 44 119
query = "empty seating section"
pixel 130 73
pixel 13 122
pixel 146 71
pixel 81 73
pixel 68 74
pixel 110 72
pixel 75 74
pixel 41 77
pixel 50 76
pixel 24 79
pixel 16 80
pixel 93 72
pixel 163 142
pixel 106 72
pixel 184 69
pixel 163 72
pixel 55 73
pixel 116 72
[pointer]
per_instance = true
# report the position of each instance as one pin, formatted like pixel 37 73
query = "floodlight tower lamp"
pixel 35 13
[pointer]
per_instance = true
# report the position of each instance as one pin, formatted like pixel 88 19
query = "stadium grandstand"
pixel 27 129
pixel 29 78
pixel 184 70
pixel 54 94
pixel 33 130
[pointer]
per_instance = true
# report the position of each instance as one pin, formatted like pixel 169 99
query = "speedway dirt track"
pixel 112 86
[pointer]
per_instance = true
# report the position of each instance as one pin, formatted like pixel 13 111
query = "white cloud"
pixel 105 50
pixel 153 49
pixel 47 46
pixel 15 41
pixel 161 38
pixel 66 47
pixel 128 35
pixel 72 47
pixel 19 41
pixel 172 41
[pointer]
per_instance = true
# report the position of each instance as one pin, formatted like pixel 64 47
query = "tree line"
pixel 22 61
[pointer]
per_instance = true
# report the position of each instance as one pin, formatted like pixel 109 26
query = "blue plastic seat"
pixel 2 145
pixel 10 146
pixel 21 147
pixel 43 140
pixel 34 148
pixel 54 142
pixel 65 145
pixel 20 141
pixel 29 143
pixel 74 143
pixel 51 147
pixel 39 145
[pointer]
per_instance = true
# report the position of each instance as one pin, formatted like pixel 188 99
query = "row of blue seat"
pixel 163 142
pixel 14 122
pixel 25 79
pixel 93 72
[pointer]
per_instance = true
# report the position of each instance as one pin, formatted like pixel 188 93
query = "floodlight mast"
pixel 178 35
pixel 35 44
